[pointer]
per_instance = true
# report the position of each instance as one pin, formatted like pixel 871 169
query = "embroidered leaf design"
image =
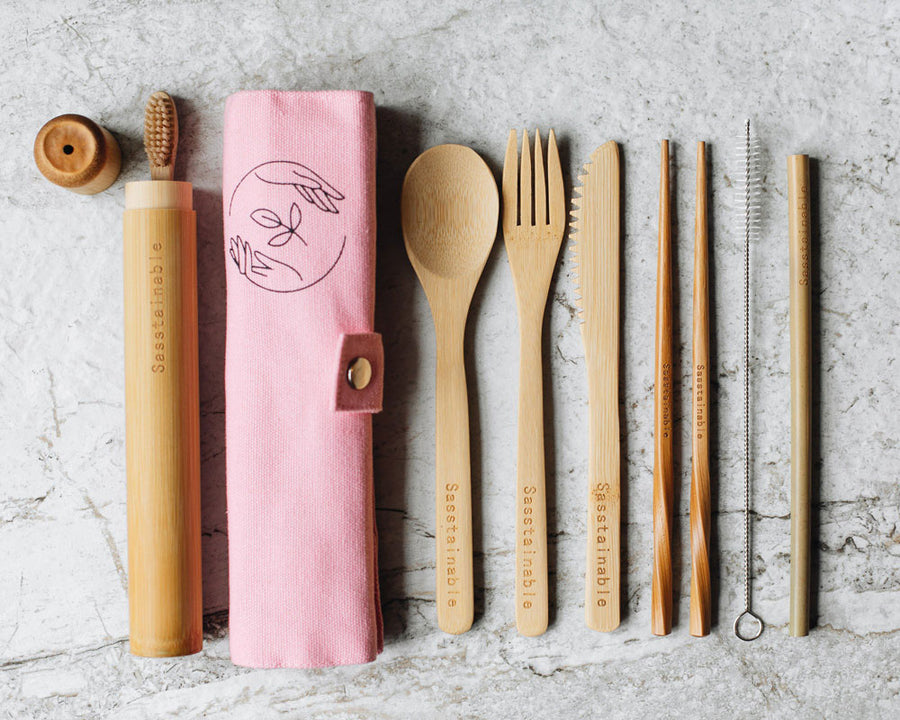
pixel 281 238
pixel 266 218
pixel 296 216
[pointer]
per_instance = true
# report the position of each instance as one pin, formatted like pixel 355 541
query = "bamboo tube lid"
pixel 159 195
pixel 74 152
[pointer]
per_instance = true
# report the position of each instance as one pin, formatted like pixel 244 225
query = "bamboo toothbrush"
pixel 161 400
pixel 663 485
pixel 700 503
pixel 596 249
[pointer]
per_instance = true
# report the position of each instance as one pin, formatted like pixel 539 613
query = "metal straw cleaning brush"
pixel 748 625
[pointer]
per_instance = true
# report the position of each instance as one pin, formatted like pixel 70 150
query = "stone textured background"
pixel 821 78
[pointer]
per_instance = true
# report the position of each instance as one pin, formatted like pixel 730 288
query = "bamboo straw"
pixel 799 228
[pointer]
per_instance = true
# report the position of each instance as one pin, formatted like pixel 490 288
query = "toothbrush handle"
pixel 661 584
pixel 799 228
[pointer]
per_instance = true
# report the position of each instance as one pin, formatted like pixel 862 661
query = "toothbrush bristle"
pixel 747 182
pixel 161 135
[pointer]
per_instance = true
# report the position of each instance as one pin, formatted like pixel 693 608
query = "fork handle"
pixel 531 497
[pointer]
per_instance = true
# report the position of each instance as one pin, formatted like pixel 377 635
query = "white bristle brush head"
pixel 747 183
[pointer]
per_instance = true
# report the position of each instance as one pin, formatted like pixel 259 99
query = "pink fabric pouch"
pixel 299 210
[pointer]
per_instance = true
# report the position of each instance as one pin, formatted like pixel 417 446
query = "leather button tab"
pixel 359 373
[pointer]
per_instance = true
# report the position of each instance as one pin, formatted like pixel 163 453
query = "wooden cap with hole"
pixel 74 152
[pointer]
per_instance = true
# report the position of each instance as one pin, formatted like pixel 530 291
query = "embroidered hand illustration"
pixel 269 219
pixel 267 272
pixel 263 271
pixel 307 183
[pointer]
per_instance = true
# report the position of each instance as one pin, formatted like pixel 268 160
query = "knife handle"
pixel 602 583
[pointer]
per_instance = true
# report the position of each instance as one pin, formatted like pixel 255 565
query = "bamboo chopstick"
pixel 700 503
pixel 661 584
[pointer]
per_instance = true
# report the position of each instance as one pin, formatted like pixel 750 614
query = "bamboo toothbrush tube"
pixel 663 474
pixel 799 231
pixel 162 419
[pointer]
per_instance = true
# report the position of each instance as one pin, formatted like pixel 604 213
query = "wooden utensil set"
pixel 450 210
pixel 449 213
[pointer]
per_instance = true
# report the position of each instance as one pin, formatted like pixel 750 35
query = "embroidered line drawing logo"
pixel 292 260
pixel 269 219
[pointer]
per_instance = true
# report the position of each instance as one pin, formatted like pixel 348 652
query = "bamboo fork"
pixel 661 585
pixel 700 505
pixel 533 233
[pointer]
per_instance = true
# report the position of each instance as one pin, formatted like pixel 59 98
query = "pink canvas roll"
pixel 299 207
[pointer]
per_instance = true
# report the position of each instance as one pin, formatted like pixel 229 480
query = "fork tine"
pixel 525 183
pixel 510 186
pixel 540 183
pixel 555 181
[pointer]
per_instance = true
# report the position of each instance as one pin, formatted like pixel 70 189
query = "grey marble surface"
pixel 820 78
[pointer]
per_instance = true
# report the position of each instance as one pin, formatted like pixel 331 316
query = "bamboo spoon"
pixel 596 231
pixel 700 507
pixel 661 585
pixel 449 212
pixel 798 223
pixel 532 244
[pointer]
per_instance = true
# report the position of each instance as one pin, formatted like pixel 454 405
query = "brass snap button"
pixel 359 373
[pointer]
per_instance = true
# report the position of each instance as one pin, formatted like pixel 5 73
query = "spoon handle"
pixel 531 498
pixel 455 586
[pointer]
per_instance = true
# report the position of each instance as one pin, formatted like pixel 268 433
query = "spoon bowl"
pixel 449 212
